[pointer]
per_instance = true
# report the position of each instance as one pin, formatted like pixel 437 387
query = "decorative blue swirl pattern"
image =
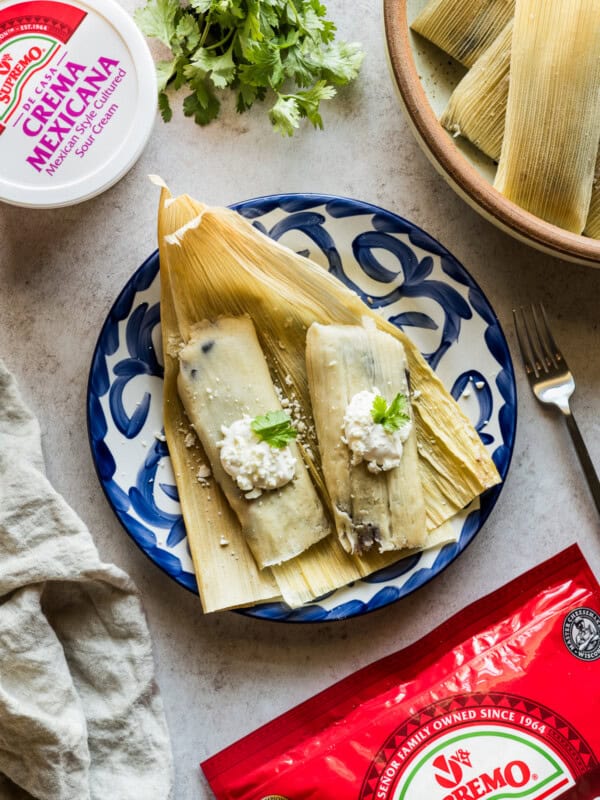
pixel 473 381
pixel 422 281
pixel 142 361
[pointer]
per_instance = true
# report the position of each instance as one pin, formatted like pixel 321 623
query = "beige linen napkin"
pixel 80 713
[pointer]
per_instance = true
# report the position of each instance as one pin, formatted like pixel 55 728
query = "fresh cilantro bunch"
pixel 392 417
pixel 283 48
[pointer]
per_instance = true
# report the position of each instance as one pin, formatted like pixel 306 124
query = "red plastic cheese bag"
pixel 501 701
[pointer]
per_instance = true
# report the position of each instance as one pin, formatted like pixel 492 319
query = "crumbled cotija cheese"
pixel 253 463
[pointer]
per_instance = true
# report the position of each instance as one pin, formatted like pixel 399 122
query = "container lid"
pixel 77 99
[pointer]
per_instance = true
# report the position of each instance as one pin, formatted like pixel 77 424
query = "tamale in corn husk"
pixel 220 265
pixel 463 28
pixel 477 106
pixel 233 578
pixel 592 224
pixel 553 112
pixel 223 377
pixel 383 509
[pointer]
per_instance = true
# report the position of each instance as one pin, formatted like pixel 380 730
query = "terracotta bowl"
pixel 425 77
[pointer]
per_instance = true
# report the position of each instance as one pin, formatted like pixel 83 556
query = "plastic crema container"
pixel 77 99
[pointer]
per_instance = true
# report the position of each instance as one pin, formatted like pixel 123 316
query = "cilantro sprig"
pixel 392 417
pixel 284 49
pixel 275 428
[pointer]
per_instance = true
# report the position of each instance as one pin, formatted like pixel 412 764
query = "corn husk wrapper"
pixel 463 28
pixel 218 264
pixel 592 225
pixel 477 106
pixel 553 113
pixel 477 111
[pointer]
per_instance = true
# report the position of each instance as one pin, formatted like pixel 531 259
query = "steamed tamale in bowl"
pixel 426 76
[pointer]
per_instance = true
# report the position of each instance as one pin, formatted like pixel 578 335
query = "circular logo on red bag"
pixel 581 633
pixel 479 746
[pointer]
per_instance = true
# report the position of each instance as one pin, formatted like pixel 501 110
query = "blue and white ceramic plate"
pixel 400 271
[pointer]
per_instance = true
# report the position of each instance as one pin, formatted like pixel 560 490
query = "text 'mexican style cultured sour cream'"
pixel 77 99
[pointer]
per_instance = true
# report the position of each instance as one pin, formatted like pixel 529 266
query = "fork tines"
pixel 538 348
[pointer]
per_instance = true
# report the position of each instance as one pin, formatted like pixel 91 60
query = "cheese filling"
pixel 368 440
pixel 253 463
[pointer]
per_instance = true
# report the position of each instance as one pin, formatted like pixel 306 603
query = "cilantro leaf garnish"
pixel 284 50
pixel 275 428
pixel 393 416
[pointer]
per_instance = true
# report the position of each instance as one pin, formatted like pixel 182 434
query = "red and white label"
pixel 479 747
pixel 67 85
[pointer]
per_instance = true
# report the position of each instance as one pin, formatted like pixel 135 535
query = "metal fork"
pixel 550 379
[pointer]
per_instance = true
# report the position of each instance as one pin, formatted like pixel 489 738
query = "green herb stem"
pixel 223 41
pixel 207 22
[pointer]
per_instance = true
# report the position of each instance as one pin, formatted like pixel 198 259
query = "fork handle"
pixel 584 459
